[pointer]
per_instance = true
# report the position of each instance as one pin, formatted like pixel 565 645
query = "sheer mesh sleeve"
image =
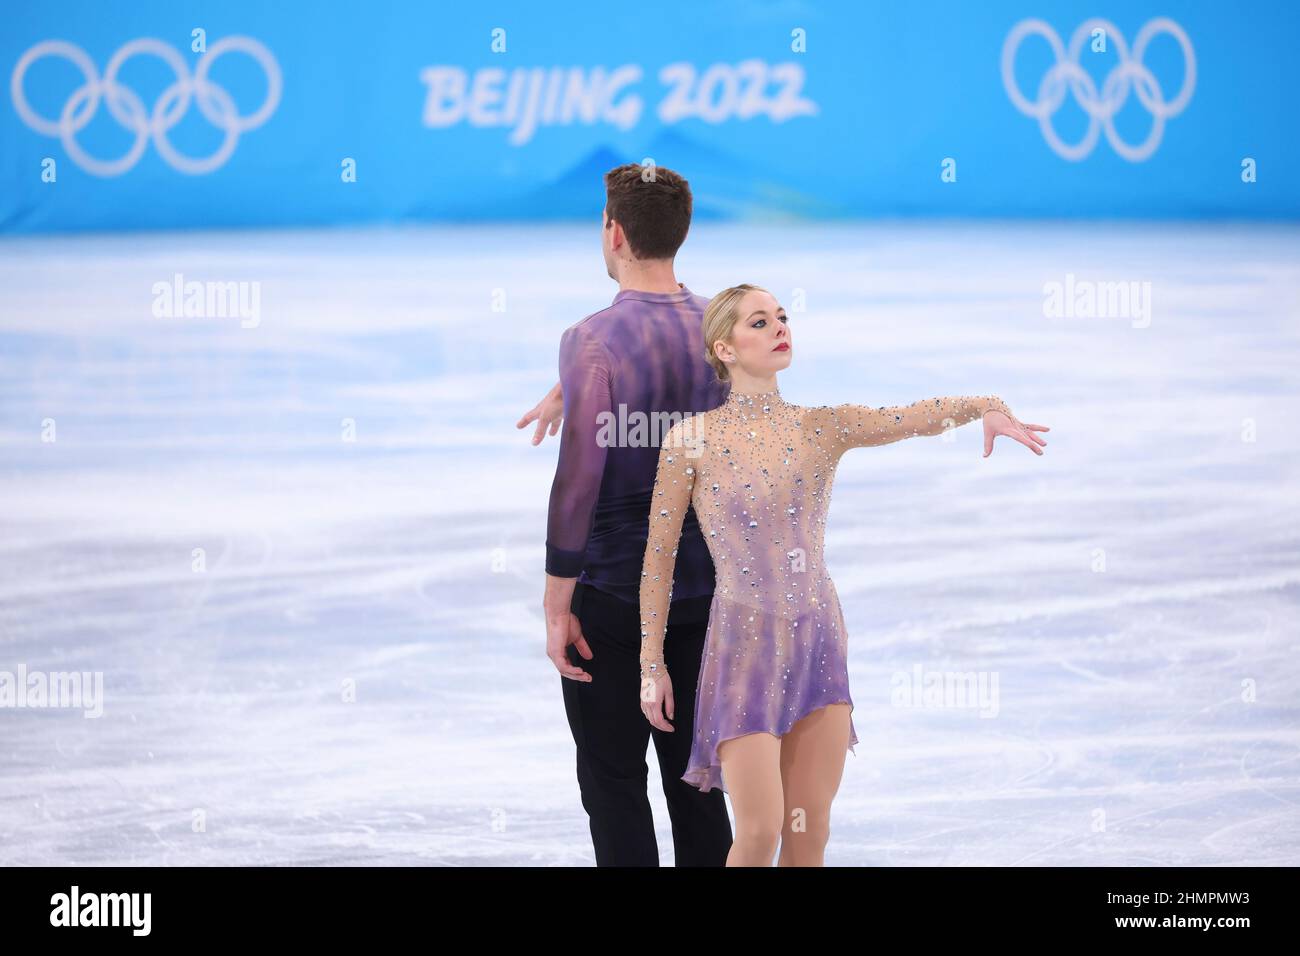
pixel 585 372
pixel 674 483
pixel 852 426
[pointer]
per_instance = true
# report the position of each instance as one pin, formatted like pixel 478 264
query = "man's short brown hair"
pixel 653 205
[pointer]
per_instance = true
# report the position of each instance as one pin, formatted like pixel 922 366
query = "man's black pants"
pixel 611 734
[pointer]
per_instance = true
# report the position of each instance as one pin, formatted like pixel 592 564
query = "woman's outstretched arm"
pixel 853 426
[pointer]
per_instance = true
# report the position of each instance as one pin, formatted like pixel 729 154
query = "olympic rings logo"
pixel 1067 75
pixel 129 110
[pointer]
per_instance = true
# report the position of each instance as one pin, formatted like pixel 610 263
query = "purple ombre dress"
pixel 757 472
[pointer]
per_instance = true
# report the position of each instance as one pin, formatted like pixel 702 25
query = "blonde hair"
pixel 719 319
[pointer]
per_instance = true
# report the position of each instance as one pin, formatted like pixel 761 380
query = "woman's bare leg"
pixel 812 765
pixel 751 767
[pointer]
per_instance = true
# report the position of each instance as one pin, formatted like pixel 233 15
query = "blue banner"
pixel 177 115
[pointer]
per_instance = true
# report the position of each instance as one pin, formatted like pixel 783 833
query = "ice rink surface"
pixel 306 552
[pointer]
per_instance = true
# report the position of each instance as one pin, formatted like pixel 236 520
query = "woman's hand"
pixel 999 423
pixel 657 700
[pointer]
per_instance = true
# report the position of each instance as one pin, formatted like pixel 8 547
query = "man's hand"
pixel 563 628
pixel 998 423
pixel 549 411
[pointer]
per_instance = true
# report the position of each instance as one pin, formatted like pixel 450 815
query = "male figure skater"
pixel 623 372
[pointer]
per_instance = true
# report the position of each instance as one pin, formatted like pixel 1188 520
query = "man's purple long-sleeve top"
pixel 630 363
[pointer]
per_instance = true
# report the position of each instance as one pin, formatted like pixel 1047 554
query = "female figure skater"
pixel 772 712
